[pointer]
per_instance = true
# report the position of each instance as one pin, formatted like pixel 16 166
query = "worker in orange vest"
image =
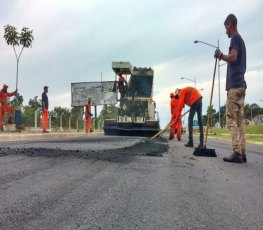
pixel 5 108
pixel 122 85
pixel 176 125
pixel 45 105
pixel 88 115
pixel 191 97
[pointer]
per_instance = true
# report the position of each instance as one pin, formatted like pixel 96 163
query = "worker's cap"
pixel 45 87
pixel 5 86
pixel 176 92
pixel 171 94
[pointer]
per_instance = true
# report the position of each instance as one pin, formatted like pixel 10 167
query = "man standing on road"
pixel 5 108
pixel 45 110
pixel 191 97
pixel 236 89
pixel 175 124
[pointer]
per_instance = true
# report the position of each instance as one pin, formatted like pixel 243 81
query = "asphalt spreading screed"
pixel 114 155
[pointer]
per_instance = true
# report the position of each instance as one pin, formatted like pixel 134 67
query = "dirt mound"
pixel 114 155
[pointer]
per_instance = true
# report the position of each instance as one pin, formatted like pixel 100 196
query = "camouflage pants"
pixel 235 118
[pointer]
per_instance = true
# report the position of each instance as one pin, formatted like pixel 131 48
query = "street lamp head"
pixel 182 77
pixel 198 41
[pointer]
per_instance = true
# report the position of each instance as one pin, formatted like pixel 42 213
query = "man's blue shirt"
pixel 236 70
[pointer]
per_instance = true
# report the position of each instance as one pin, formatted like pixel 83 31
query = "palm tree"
pixel 13 38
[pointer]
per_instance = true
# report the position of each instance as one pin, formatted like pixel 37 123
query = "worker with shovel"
pixel 191 97
pixel 236 89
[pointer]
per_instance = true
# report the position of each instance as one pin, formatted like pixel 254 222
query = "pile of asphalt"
pixel 156 149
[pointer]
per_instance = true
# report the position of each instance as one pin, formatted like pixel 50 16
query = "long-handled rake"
pixel 161 132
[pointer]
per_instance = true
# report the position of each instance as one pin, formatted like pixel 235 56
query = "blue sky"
pixel 76 41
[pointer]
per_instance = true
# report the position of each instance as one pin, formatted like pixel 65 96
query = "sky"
pixel 77 41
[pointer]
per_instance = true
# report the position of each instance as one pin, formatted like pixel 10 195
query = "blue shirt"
pixel 235 77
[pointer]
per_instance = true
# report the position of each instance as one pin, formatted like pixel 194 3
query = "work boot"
pixel 189 144
pixel 244 158
pixel 200 146
pixel 179 138
pixel 234 158
pixel 2 128
pixel 171 138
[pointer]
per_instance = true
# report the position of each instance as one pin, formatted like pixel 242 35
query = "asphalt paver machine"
pixel 136 112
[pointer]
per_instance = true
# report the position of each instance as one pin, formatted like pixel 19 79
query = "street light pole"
pixel 197 41
pixel 216 47
pixel 219 114
pixel 192 81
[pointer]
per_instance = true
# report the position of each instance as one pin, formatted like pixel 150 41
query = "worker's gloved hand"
pixel 218 54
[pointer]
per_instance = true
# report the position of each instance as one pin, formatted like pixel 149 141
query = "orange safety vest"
pixel 174 104
pixel 188 96
pixel 4 97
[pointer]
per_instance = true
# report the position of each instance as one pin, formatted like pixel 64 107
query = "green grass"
pixel 253 133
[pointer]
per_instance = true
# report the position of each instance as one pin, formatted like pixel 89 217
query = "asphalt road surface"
pixel 98 182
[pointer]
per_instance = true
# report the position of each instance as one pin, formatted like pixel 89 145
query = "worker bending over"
pixel 175 125
pixel 191 97
pixel 5 108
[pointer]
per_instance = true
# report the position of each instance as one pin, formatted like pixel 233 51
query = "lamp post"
pixel 197 41
pixel 190 80
pixel 216 47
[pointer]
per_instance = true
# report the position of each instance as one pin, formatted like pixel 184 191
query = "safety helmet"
pixel 5 86
pixel 176 92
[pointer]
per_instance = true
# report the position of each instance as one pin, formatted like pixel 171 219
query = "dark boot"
pixel 171 138
pixel 189 144
pixel 201 146
pixel 244 158
pixel 234 158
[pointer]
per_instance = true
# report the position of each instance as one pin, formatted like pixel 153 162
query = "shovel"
pixel 161 132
